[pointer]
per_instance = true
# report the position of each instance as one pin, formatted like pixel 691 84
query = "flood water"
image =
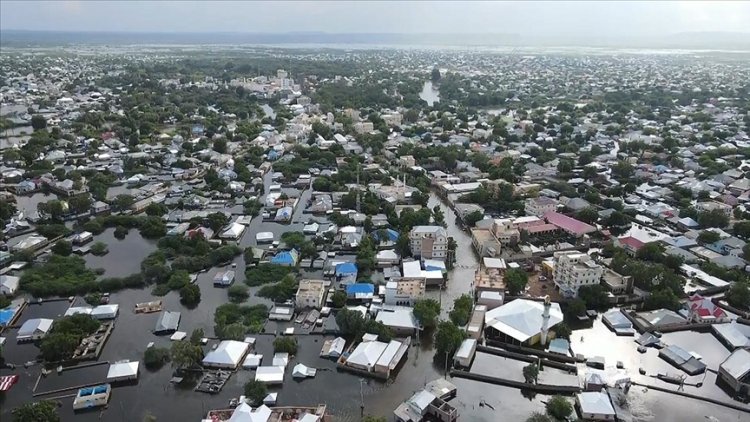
pixel 28 203
pixel 430 93
pixel 339 390
pixel 268 111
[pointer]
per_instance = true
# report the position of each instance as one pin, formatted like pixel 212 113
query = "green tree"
pixel 155 357
pixel 708 236
pixel 559 408
pixel 186 355
pixel 461 311
pixel 515 281
pixel 238 293
pixel 338 299
pixel 156 210
pixel 576 307
pixel 713 218
pixel 123 202
pixel 538 417
pixel 255 392
pixel 427 311
pixel 435 75
pixel 38 122
pixel 252 207
pixel 62 248
pixel 190 295
pixel 588 215
pixel 7 209
pixel 41 411
pixel 595 296
pixel 562 330
pixel 531 373
pixel 99 248
pixel 285 345
pixel 738 294
pixel 473 217
pixel 448 338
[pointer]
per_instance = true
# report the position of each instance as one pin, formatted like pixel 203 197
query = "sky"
pixel 532 18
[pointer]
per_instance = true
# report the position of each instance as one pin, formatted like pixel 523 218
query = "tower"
pixel 545 320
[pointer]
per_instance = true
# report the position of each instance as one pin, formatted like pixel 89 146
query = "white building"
pixel 227 355
pixel 539 206
pixel 8 284
pixel 34 329
pixel 123 371
pixel 575 269
pixel 521 320
pixel 595 406
pixel 429 242
pixel 310 294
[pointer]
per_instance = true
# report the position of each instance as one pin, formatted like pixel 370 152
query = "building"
pixel 168 322
pixel 376 357
pixel 431 403
pixel 90 397
pixel 123 371
pixel 521 320
pixel 9 284
pixel 540 206
pixel 735 372
pixel 227 355
pixel 573 270
pixel 465 353
pixel 490 277
pixel 34 329
pixel 269 374
pixel 404 292
pixel 701 309
pixel 595 406
pixel 310 294
pixel 429 242
pixel 681 358
pixel 400 319
pixel 568 224
pixel 224 278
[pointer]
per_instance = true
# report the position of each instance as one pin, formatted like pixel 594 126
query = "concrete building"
pixel 429 404
pixel 429 242
pixel 540 206
pixel 573 270
pixel 404 292
pixel 735 372
pixel 310 294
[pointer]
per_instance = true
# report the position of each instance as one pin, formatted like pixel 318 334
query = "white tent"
pixel 123 371
pixel 75 310
pixel 303 371
pixel 281 359
pixel 333 348
pixel 234 231
pixel 228 354
pixel 270 374
pixel 595 406
pixel 244 413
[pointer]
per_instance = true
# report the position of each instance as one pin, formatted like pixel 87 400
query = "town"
pixel 265 234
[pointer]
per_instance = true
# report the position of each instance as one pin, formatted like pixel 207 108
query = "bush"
pixel 234 321
pixel 65 336
pixel 41 411
pixel 93 299
pixel 121 232
pixel 255 391
pixel 338 299
pixel 238 293
pixel 285 345
pixel 99 249
pixel 281 291
pixel 559 408
pixel 461 311
pixel 51 231
pixel 155 357
pixel 62 248
pixel 94 226
pixel 265 273
pixel 59 276
pixel 190 295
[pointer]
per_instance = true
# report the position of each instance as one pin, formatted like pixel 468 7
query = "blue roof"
pixel 392 235
pixel 6 315
pixel 360 288
pixel 283 258
pixel 346 268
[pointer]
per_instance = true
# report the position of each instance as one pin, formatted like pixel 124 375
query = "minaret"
pixel 545 319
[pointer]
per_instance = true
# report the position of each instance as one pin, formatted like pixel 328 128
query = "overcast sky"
pixel 622 18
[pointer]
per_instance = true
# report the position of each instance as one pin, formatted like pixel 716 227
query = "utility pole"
pixel 362 399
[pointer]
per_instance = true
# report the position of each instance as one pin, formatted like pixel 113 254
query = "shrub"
pixel 190 295
pixel 285 345
pixel 156 357
pixel 99 249
pixel 238 293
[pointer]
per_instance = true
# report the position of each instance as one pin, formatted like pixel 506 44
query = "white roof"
pixel 122 370
pixel 244 413
pixel 397 316
pixel 302 371
pixel 737 364
pixel 269 374
pixel 521 318
pixel 595 403
pixel 10 282
pixel 229 352
pixel 334 347
pixel 32 326
pixel 234 230
pixel 464 351
pixel 264 236
pixel 252 361
pixel 105 311
pixel 281 359
pixel 367 354
pixel 74 310
pixel 412 269
pixel 421 400
pixel 390 352
pixel 733 334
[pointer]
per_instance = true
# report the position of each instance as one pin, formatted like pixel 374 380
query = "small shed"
pixel 123 371
pixel 168 322
pixel 465 353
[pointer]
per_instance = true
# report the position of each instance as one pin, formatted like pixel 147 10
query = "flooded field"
pixel 124 257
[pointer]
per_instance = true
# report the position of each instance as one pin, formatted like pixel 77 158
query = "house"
pixel 681 358
pixel 346 272
pixel 568 224
pixel 99 207
pixel 540 205
pixel 429 403
pixel 167 323
pixel 733 335
pixel 333 348
pixel 703 310
pixel 34 329
pixel 387 258
pixel 429 242
pixel 573 270
pixel 224 278
pixel 404 292
pixel 310 294
pixel 595 406
pixel 376 357
pixel 123 371
pixel 227 355
pixel 9 284
pixel 286 258
pixel 400 319
pixel 735 373
pixel 360 291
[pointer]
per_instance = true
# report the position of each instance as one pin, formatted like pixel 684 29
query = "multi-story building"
pixel 540 206
pixel 404 292
pixel 310 294
pixel 573 270
pixel 429 242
